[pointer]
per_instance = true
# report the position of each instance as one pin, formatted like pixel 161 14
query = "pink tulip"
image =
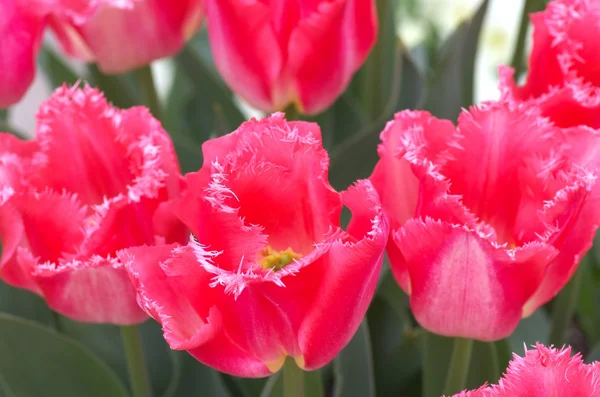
pixel 544 371
pixel 279 52
pixel 90 184
pixel 564 75
pixel 489 219
pixel 20 39
pixel 119 35
pixel 268 272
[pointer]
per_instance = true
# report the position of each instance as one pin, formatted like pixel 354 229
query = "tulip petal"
pixel 338 36
pixel 12 234
pixel 52 223
pixel 96 291
pixel 547 371
pixel 133 26
pixel 174 289
pixel 462 285
pixel 251 67
pixel 163 296
pixel 543 62
pixel 21 37
pixel 350 271
pixel 79 125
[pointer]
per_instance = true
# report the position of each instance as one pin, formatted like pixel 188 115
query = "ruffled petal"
pixel 20 39
pixel 462 285
pixel 95 291
pixel 12 236
pixel 349 274
pixel 246 50
pixel 52 223
pixel 174 288
pixel 163 293
pixel 81 126
pixel 546 371
pixel 338 36
pixel 497 174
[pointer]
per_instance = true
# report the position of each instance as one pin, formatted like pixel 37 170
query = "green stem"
pixel 146 82
pixel 292 114
pixel 564 305
pixel 456 379
pixel 293 379
pixel 138 373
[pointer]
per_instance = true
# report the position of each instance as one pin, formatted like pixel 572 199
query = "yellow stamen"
pixel 277 260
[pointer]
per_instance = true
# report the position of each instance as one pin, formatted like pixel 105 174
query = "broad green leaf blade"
pixel 215 100
pixel 451 84
pixel 396 351
pixel 37 362
pixel 376 90
pixel 530 330
pixel 437 351
pixel 355 376
pixel 588 315
pixel 356 156
pixel 412 82
pixel 195 379
pixel 22 303
pixel 55 69
pixel 105 341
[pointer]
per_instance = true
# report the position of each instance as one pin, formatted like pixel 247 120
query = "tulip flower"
pixel 489 219
pixel 544 371
pixel 268 272
pixel 277 53
pixel 563 73
pixel 90 184
pixel 119 35
pixel 20 39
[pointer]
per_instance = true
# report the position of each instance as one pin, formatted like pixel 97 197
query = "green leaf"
pixel 593 355
pixel 195 379
pixel 37 362
pixel 396 350
pixel 274 386
pixel 22 303
pixel 355 376
pixel 214 104
pixel 105 341
pixel 376 90
pixel 437 351
pixel 55 69
pixel 121 90
pixel 451 84
pixel 588 315
pixel 356 156
pixel 530 330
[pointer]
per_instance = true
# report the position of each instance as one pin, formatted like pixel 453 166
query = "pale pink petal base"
pixel 461 285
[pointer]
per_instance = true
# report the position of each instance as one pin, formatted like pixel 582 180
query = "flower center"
pixel 277 260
